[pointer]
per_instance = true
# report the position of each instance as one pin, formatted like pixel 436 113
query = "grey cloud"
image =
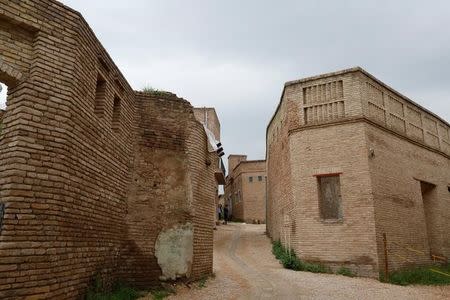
pixel 236 55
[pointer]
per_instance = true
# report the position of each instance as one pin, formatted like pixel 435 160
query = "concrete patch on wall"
pixel 174 251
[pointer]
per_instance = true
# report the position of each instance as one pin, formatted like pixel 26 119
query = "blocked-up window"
pixel 116 113
pixel 250 179
pixel 330 197
pixel 100 95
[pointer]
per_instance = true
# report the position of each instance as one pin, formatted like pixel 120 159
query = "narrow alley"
pixel 246 269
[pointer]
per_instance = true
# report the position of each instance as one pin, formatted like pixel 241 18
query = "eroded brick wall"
pixel 171 185
pixel 68 152
pixel 159 172
pixel 202 191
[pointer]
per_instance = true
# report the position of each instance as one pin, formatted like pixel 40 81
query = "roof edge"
pixel 345 71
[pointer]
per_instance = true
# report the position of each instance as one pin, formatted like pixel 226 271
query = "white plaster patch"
pixel 174 251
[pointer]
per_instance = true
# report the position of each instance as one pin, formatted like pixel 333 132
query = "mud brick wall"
pixel 67 151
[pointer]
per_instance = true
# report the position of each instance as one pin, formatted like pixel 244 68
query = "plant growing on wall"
pixel 150 90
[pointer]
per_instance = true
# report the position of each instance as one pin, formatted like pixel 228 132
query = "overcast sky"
pixel 235 55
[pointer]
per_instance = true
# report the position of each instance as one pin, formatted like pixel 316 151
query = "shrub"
pixel 292 262
pixel 120 291
pixel 153 91
pixel 315 268
pixel 202 282
pixel 346 272
pixel 160 294
pixel 421 275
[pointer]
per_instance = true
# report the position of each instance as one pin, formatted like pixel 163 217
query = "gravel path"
pixel 246 269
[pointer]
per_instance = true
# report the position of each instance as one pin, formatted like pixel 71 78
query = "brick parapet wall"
pixel 354 93
pixel 395 112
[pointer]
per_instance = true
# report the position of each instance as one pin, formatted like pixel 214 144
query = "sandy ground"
pixel 246 269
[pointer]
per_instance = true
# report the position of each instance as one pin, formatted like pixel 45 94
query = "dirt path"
pixel 246 269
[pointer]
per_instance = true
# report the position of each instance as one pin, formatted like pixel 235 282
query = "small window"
pixel 259 178
pixel 116 113
pixel 100 95
pixel 250 179
pixel 330 197
pixel 448 188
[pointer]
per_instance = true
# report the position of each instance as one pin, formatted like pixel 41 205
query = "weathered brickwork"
pixel 169 166
pixel 392 163
pixel 245 190
pixel 208 116
pixel 90 171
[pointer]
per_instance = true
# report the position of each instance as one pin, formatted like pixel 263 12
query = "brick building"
pixel 245 189
pixel 208 117
pixel 95 178
pixel 350 159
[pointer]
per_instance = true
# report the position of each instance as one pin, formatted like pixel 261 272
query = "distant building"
pixel 245 190
pixel 350 160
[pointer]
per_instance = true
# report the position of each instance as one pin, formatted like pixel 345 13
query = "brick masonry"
pixel 245 189
pixel 208 116
pixel 90 170
pixel 383 146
